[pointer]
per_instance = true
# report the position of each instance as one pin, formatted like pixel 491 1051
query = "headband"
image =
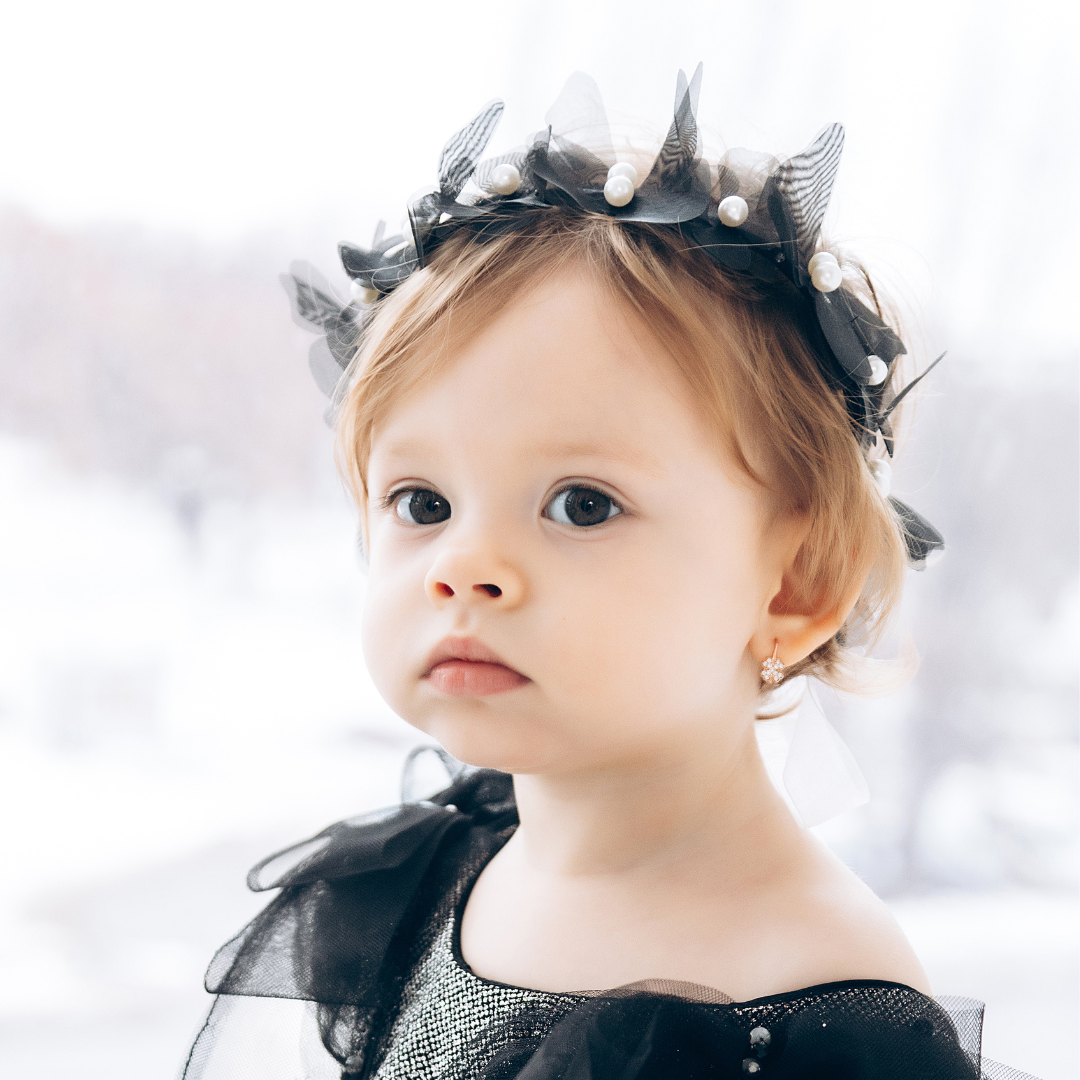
pixel 755 216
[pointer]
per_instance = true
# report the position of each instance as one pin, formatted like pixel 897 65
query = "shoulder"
pixel 835 929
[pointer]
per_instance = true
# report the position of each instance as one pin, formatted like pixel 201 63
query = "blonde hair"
pixel 743 347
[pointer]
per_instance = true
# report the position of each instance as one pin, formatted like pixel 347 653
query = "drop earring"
pixel 772 670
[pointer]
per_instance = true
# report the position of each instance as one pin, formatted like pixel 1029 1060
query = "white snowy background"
pixel 181 685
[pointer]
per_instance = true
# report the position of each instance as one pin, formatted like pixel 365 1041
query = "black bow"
pixel 345 892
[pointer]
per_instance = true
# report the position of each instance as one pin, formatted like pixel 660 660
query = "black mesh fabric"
pixel 355 971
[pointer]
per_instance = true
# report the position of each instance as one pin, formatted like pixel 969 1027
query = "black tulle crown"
pixel 757 216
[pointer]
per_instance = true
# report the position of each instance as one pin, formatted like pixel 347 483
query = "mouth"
pixel 465 667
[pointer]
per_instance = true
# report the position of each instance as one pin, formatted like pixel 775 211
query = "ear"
pixel 792 621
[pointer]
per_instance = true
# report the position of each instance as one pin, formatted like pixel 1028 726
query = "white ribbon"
pixel 810 765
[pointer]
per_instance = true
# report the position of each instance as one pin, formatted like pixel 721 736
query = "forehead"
pixel 564 370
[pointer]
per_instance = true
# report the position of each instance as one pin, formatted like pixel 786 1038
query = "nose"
pixel 472 575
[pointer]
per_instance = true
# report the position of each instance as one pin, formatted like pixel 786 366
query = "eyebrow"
pixel 637 458
pixel 407 448
pixel 551 450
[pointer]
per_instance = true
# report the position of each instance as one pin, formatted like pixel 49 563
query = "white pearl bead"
pixel 733 211
pixel 505 179
pixel 619 190
pixel 881 471
pixel 362 293
pixel 826 276
pixel 623 168
pixel 819 258
pixel 879 371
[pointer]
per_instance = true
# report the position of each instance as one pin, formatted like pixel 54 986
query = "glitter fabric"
pixel 444 1006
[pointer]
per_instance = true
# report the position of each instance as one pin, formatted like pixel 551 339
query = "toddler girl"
pixel 619 436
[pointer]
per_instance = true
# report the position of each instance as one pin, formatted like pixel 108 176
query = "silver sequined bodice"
pixel 444 1007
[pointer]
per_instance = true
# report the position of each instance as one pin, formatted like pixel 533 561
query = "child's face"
pixel 621 641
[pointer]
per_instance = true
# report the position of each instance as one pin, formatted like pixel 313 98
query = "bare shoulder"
pixel 838 929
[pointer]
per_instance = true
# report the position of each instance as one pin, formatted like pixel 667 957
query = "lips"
pixel 465 667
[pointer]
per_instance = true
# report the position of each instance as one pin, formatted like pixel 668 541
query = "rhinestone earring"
pixel 772 670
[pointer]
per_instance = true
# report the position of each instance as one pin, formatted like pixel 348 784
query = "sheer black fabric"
pixel 354 970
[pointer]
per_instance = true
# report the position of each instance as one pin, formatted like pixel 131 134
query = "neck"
pixel 644 817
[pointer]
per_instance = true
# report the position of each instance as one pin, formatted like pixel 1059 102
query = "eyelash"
pixel 614 505
pixel 390 500
pixel 394 499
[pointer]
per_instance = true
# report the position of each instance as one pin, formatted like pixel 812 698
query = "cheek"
pixel 380 631
pixel 390 611
pixel 666 625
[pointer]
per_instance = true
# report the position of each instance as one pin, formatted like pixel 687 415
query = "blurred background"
pixel 181 684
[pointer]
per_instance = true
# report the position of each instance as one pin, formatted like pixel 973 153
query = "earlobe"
pixel 795 621
pixel 796 634
pixel 772 668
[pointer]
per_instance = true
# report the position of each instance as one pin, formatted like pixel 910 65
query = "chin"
pixel 491 742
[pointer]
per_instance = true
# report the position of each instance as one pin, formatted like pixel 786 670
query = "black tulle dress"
pixel 354 971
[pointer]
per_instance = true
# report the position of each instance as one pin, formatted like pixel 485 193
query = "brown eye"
pixel 422 506
pixel 582 506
